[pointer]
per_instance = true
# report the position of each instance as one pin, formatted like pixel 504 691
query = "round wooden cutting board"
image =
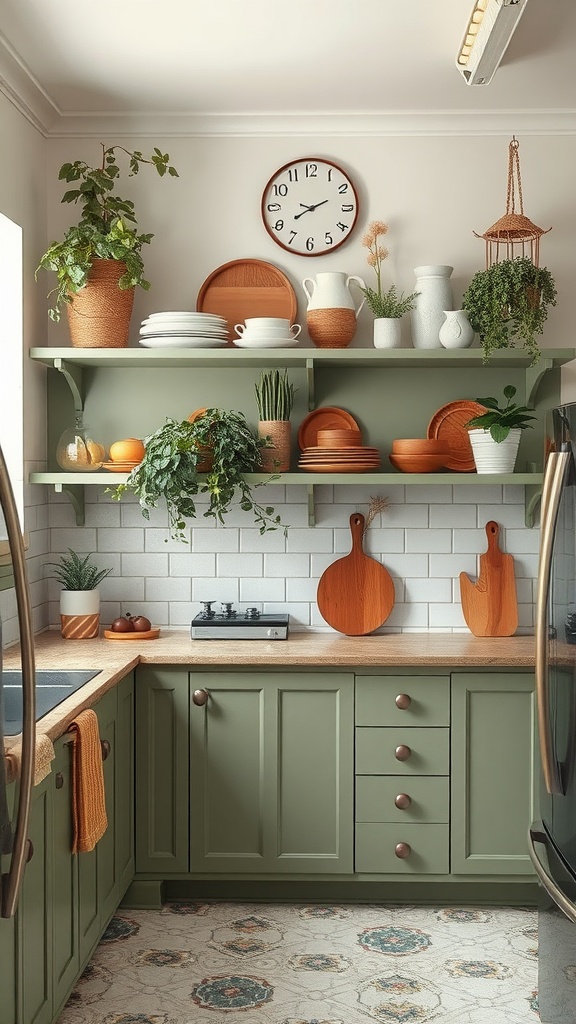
pixel 356 593
pixel 250 288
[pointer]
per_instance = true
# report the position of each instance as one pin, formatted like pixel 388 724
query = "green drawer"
pixel 429 798
pixel 376 700
pixel 376 844
pixel 429 751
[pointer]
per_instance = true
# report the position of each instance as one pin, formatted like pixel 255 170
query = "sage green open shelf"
pixel 392 392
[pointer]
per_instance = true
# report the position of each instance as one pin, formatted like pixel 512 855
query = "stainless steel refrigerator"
pixel 552 839
pixel 14 845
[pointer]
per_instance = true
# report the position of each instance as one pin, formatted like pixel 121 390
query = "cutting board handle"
pixel 492 533
pixel 357 530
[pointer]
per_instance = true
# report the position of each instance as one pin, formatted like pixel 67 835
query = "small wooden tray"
pixel 147 634
pixel 250 288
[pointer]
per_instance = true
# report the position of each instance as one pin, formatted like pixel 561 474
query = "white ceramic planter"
pixel 491 456
pixel 387 332
pixel 79 614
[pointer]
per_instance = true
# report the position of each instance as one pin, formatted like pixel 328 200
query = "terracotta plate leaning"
pixel 325 418
pixel 448 424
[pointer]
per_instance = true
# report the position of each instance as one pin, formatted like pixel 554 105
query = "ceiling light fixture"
pixel 490 29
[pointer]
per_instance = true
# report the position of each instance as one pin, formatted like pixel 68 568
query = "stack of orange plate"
pixel 339 460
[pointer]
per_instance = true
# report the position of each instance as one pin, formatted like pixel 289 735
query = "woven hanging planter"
pixel 514 234
pixel 99 314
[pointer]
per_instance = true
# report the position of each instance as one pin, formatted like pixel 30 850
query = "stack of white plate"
pixel 177 329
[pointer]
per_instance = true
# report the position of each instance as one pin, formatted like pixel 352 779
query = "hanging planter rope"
pixel 514 234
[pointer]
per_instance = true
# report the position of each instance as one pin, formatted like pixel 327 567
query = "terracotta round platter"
pixel 449 424
pixel 119 467
pixel 146 634
pixel 326 417
pixel 250 288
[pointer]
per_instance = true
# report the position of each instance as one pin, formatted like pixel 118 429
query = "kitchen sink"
pixel 52 687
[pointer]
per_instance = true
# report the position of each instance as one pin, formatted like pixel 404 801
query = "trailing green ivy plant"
pixel 508 304
pixel 104 230
pixel 172 466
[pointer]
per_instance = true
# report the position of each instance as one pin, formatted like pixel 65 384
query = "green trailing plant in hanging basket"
pixel 500 421
pixel 104 230
pixel 507 304
pixel 171 470
pixel 75 573
pixel 274 395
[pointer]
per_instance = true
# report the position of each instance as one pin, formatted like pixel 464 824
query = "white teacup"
pixel 275 333
pixel 267 321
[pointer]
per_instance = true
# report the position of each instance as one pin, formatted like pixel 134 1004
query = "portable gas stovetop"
pixel 232 625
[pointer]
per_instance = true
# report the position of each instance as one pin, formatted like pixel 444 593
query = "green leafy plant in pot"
pixel 275 399
pixel 80 597
pixel 219 443
pixel 495 434
pixel 388 307
pixel 507 304
pixel 99 261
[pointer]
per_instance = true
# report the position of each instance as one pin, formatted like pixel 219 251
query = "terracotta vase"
pixel 99 314
pixel 79 614
pixel 276 459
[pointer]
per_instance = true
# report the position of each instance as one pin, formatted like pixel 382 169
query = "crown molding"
pixel 19 86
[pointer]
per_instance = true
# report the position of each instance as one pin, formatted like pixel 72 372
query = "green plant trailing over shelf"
pixel 104 230
pixel 75 573
pixel 500 421
pixel 508 303
pixel 171 468
pixel 274 395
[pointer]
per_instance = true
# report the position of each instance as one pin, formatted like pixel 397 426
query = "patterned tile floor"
pixel 218 963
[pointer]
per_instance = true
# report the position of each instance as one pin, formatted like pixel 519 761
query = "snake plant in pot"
pixel 495 434
pixel 209 455
pixel 99 261
pixel 275 398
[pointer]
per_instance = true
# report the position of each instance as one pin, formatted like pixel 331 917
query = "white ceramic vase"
pixel 79 614
pixel 492 456
pixel 387 332
pixel 456 331
pixel 434 297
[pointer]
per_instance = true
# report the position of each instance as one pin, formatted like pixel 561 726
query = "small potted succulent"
pixel 389 306
pixel 219 444
pixel 275 398
pixel 79 598
pixel 495 434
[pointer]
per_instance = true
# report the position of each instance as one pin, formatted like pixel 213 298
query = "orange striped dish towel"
pixel 89 818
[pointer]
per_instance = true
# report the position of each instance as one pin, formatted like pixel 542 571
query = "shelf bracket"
pixel 310 383
pixel 532 495
pixel 534 375
pixel 73 376
pixel 75 493
pixel 311 506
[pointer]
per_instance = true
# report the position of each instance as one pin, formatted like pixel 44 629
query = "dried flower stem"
pixel 378 503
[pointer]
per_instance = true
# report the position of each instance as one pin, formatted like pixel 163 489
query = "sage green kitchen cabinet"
pixel 271 772
pixel 65 924
pixel 34 916
pixel 494 768
pixel 8 971
pixel 162 758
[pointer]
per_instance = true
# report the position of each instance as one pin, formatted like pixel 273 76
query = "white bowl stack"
pixel 181 329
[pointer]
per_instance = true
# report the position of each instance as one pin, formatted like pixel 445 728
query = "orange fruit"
pixel 128 450
pixel 96 452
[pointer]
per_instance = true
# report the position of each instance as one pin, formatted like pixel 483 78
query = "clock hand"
pixel 309 208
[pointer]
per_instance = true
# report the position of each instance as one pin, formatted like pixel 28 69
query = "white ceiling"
pixel 239 57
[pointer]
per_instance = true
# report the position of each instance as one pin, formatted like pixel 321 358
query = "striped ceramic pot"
pixel 79 614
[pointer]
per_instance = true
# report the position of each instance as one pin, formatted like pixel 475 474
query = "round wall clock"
pixel 310 206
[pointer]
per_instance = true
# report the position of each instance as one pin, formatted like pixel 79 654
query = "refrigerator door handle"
pixel 12 881
pixel 556 469
pixel 542 867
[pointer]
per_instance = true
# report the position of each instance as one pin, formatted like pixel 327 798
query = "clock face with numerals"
pixel 310 206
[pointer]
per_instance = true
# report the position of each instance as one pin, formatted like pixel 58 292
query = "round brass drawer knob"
pixel 403 701
pixel 403 801
pixel 403 850
pixel 200 697
pixel 402 753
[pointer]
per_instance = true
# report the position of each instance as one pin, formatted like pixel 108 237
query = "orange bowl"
pixel 419 446
pixel 338 438
pixel 417 463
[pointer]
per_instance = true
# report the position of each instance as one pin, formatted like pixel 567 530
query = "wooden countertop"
pixel 115 658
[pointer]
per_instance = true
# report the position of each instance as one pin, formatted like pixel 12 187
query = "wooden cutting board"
pixel 356 593
pixel 490 606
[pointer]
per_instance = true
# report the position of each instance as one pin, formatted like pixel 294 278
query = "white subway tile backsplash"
pixel 312 541
pixel 215 541
pixel 469 494
pixel 526 566
pixel 403 565
pixel 240 565
pixel 470 540
pixel 446 615
pixel 430 591
pixel 131 515
pixel 287 565
pixel 102 515
pixel 453 565
pixel 383 541
pixel 209 588
pixel 513 494
pixel 176 588
pixel 187 564
pixel 145 564
pixel 457 517
pixel 302 590
pixel 510 516
pixel 419 494
pixel 129 539
pixel 260 590
pixel 522 541
pixel 82 541
pixel 429 540
pixel 253 540
pixel 405 516
pixel 122 588
pixel 157 539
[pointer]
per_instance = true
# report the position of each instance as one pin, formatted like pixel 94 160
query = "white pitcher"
pixel 332 313
pixel 456 331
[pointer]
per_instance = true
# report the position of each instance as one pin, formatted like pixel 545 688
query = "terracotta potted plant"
pixel 495 434
pixel 98 263
pixel 79 598
pixel 390 306
pixel 275 398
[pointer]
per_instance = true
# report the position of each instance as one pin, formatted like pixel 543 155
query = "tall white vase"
pixel 434 296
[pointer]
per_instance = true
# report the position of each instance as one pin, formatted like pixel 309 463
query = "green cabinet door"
pixel 35 914
pixel 271 773
pixel 65 945
pixel 162 794
pixel 124 803
pixel 493 772
pixel 8 972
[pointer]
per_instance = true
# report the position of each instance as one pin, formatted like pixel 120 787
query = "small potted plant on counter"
pixel 99 261
pixel 275 398
pixel 495 434
pixel 390 306
pixel 507 304
pixel 79 598
pixel 218 443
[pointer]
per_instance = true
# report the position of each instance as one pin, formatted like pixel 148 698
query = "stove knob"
pixel 273 634
pixel 252 613
pixel 207 612
pixel 227 609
